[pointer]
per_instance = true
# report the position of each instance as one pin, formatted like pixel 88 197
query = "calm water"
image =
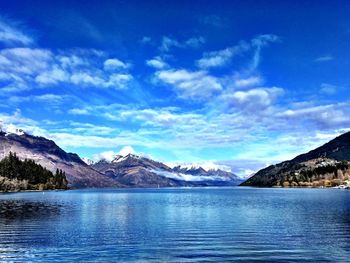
pixel 176 225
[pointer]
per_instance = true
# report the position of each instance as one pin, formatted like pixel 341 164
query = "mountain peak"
pixel 120 158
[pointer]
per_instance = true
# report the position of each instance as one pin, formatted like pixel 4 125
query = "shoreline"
pixel 161 188
pixel 29 191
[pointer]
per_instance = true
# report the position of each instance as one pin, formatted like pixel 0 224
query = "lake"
pixel 176 225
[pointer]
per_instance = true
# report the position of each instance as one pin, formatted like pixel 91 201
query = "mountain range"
pixel 124 171
pixel 140 171
pixel 328 165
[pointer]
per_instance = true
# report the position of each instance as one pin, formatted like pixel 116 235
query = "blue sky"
pixel 241 84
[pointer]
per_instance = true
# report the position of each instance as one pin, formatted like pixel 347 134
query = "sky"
pixel 237 84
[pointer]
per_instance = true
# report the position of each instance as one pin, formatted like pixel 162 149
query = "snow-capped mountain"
pixel 140 171
pixel 129 170
pixel 135 171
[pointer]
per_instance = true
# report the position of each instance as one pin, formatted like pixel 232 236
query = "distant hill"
pixel 138 171
pixel 46 153
pixel 327 165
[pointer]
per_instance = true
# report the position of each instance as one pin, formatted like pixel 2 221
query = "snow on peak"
pixel 12 129
pixel 88 161
pixel 120 158
pixel 112 156
pixel 207 166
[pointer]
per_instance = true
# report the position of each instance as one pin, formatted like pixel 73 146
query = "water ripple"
pixel 176 225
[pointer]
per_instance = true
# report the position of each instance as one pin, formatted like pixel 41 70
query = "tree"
pixel 27 175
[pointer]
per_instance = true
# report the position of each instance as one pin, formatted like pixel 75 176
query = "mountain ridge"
pixel 48 154
pixel 131 168
pixel 334 154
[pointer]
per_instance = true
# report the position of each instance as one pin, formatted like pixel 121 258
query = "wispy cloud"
pixel 248 82
pixel 146 40
pixel 324 58
pixel 168 43
pixel 322 116
pixel 10 35
pixel 213 20
pixel 78 111
pixel 22 68
pixel 190 84
pixel 258 43
pixel 328 89
pixel 223 57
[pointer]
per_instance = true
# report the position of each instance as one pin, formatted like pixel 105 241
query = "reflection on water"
pixel 176 225
pixel 21 209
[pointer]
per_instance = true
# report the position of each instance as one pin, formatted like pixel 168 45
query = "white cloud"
pixel 146 40
pixel 159 117
pixel 18 121
pixel 324 58
pixel 25 68
pixel 213 20
pixel 187 177
pixel 195 42
pixel 168 43
pixel 52 77
pixel 323 116
pixel 85 129
pixel 110 155
pixel 190 84
pixel 107 155
pixel 50 97
pixel 258 43
pixel 248 82
pixel 254 99
pixel 220 57
pixel 223 57
pixel 83 78
pixel 328 89
pixel 78 111
pixel 264 39
pixel 157 63
pixel 118 81
pixel 22 62
pixel 126 150
pixel 112 64
pixel 71 61
pixel 11 35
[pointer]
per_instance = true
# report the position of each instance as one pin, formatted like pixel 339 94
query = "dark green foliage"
pixel 60 179
pixel 27 175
